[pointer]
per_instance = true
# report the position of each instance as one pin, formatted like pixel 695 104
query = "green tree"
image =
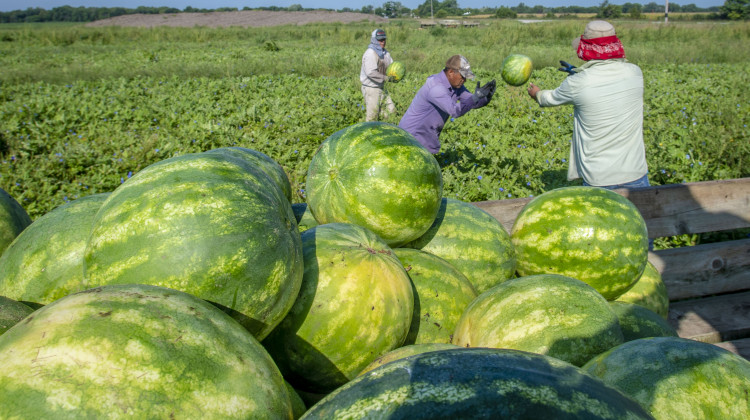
pixel 635 11
pixel 505 13
pixel 609 11
pixel 735 10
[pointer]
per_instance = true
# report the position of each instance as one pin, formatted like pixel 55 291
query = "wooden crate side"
pixel 712 320
pixel 704 270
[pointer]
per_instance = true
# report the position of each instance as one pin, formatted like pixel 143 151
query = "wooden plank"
pixel 669 210
pixel 740 347
pixel 712 320
pixel 697 207
pixel 704 270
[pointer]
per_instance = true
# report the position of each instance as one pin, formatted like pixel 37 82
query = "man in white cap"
pixel 607 97
pixel 443 95
pixel 375 61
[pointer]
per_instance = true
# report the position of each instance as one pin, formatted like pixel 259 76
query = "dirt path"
pixel 246 18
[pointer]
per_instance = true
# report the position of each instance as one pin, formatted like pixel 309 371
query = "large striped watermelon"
pixel 355 304
pixel 378 176
pixel 11 312
pixel 136 351
pixel 441 293
pixel 638 322
pixel 591 234
pixel 516 69
pixel 476 384
pixel 45 262
pixel 263 162
pixel 13 219
pixel 546 314
pixel 396 71
pixel 208 224
pixel 649 291
pixel 677 378
pixel 472 241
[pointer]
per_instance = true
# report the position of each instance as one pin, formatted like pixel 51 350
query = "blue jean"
pixel 638 183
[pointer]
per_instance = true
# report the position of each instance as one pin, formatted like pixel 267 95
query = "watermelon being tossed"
pixel 516 69
pixel 396 71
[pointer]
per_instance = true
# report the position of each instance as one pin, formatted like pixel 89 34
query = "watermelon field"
pixel 197 223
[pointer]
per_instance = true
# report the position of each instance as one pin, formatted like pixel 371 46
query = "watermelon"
pixel 547 314
pixel 263 162
pixel 304 217
pixel 591 234
pixel 378 176
pixel 649 291
pixel 136 351
pixel 406 351
pixel 441 293
pixel 477 384
pixel 208 224
pixel 11 313
pixel 677 378
pixel 516 69
pixel 638 322
pixel 355 304
pixel 13 219
pixel 45 262
pixel 298 405
pixel 472 241
pixel 396 71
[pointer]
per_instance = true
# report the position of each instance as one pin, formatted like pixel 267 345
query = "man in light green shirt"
pixel 607 148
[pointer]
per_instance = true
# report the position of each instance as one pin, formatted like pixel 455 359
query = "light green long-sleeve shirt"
pixel 607 146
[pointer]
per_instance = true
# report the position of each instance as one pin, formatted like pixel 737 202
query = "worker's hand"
pixel 392 79
pixel 485 91
pixel 566 67
pixel 533 90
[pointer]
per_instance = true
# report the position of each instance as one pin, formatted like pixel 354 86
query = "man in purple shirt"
pixel 443 95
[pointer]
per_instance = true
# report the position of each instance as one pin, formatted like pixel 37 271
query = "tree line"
pixel 732 10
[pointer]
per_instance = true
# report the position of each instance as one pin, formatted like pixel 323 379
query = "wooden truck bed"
pixel 708 284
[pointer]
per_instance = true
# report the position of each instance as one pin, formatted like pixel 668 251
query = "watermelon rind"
pixel 441 293
pixel 476 384
pixel 638 322
pixel 13 219
pixel 406 351
pixel 676 378
pixel 516 69
pixel 136 351
pixel 355 303
pixel 396 71
pixel 649 291
pixel 208 224
pixel 547 314
pixel 472 241
pixel 11 313
pixel 263 162
pixel 378 176
pixel 45 262
pixel 591 234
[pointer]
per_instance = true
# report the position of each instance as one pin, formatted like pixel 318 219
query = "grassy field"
pixel 82 109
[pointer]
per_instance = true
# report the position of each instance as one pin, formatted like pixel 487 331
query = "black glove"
pixel 566 67
pixel 485 91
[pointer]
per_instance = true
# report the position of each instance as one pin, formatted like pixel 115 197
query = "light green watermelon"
pixel 355 304
pixel 406 351
pixel 11 313
pixel 677 378
pixel 591 234
pixel 136 351
pixel 378 176
pixel 476 384
pixel 441 293
pixel 638 322
pixel 13 219
pixel 472 241
pixel 45 262
pixel 396 71
pixel 516 69
pixel 305 218
pixel 649 291
pixel 263 162
pixel 208 224
pixel 547 314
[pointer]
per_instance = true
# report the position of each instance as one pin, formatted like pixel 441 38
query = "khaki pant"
pixel 375 98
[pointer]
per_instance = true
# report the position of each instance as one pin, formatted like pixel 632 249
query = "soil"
pixel 244 18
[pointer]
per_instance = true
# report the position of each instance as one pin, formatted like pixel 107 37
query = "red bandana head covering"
pixel 602 48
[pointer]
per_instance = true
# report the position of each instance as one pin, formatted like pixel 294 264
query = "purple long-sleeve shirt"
pixel 435 101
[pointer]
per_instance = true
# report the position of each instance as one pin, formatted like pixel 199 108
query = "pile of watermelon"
pixel 197 288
